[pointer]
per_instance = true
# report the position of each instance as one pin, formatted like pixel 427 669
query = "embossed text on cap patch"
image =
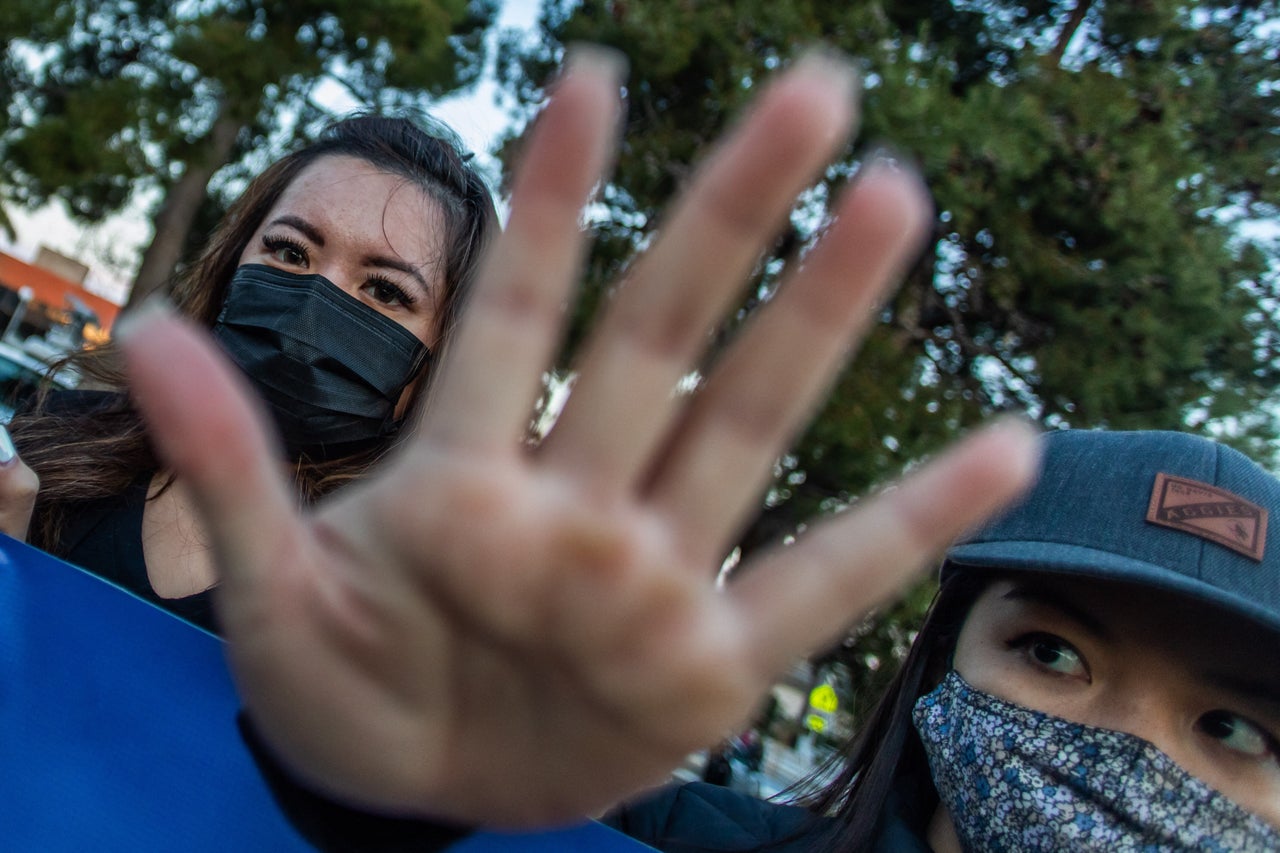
pixel 1210 513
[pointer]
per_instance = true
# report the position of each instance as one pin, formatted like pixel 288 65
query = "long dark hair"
pixel 82 456
pixel 887 756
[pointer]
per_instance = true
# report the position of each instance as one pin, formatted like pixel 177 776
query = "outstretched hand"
pixel 494 633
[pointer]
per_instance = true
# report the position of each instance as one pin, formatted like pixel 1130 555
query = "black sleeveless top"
pixel 104 537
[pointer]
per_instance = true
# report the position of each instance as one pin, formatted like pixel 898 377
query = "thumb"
pixel 19 486
pixel 208 430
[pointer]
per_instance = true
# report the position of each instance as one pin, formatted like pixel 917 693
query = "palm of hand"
pixel 487 632
pixel 572 631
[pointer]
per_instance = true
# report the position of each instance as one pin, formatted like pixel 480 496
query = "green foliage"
pixel 105 99
pixel 1091 163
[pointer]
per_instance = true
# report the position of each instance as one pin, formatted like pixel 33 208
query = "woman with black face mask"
pixel 332 282
pixel 483 630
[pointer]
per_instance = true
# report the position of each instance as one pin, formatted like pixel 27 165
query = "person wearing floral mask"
pixel 1100 671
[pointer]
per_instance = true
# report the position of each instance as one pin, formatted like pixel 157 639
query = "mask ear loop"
pixel 421 364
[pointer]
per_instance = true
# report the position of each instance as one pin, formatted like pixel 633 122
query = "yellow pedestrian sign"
pixel 823 698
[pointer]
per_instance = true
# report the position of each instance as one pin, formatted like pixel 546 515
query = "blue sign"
pixel 118 731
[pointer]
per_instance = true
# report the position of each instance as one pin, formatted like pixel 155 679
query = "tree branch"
pixel 1069 31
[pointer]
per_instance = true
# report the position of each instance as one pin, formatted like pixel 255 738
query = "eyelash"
pixel 274 243
pixel 1026 643
pixel 1269 742
pixel 402 296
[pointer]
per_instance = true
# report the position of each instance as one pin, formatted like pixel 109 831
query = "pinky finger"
pixel 796 598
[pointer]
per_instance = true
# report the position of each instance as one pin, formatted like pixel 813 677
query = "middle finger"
pixel 722 456
pixel 658 323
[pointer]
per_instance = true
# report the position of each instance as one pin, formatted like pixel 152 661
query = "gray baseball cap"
pixel 1162 509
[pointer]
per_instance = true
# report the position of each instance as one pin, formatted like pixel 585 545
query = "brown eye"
pixel 1052 653
pixel 286 251
pixel 1236 733
pixel 388 292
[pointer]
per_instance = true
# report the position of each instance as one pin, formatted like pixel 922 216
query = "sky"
pixel 112 248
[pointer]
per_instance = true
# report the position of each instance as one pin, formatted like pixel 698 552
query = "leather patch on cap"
pixel 1210 513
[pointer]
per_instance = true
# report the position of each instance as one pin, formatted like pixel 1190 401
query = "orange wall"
pixel 52 289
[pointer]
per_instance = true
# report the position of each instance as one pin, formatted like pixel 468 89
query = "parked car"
pixel 21 373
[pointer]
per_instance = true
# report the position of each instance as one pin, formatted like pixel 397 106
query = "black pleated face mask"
pixel 330 368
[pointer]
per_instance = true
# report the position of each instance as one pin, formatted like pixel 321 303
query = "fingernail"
pixel 8 452
pixel 132 322
pixel 883 155
pixel 1020 424
pixel 1022 434
pixel 833 68
pixel 589 58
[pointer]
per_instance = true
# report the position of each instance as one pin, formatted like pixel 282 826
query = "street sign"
pixel 823 698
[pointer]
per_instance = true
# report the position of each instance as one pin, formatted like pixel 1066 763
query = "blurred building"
pixel 47 299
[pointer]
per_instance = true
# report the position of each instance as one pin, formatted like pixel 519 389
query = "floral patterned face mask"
pixel 1017 779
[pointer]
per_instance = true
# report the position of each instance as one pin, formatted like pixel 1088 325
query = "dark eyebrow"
pixel 297 223
pixel 1055 600
pixel 1257 692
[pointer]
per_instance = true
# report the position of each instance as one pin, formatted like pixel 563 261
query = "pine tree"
pixel 1092 165
pixel 107 100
